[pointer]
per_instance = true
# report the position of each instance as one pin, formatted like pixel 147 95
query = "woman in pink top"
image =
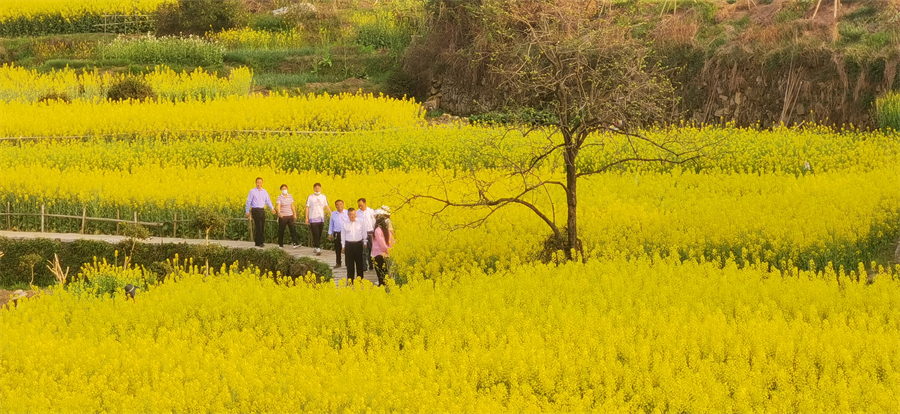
pixel 381 242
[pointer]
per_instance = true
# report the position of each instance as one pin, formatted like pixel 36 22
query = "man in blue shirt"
pixel 257 200
pixel 335 227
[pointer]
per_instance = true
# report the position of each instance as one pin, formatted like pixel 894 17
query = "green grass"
pixel 276 81
pixel 887 109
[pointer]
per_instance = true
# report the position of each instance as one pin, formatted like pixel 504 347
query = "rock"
pixel 299 8
pixel 737 98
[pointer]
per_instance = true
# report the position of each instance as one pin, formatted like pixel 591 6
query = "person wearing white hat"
pixel 381 243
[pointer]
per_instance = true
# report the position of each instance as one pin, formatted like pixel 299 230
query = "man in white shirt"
pixel 353 245
pixel 335 227
pixel 316 209
pixel 367 217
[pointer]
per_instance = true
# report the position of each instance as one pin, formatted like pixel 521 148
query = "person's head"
pixel 351 212
pixel 339 205
pixel 361 203
pixel 381 222
pixel 317 188
pixel 258 182
pixel 284 189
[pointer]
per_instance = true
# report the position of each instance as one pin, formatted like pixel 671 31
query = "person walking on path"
pixel 335 227
pixel 316 209
pixel 257 201
pixel 381 243
pixel 287 215
pixel 353 244
pixel 367 217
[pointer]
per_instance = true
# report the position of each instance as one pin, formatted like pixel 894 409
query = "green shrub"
pixel 269 23
pixel 130 88
pixel 887 109
pixel 208 220
pixel 197 17
pixel 53 97
pixel 149 50
pixel 153 256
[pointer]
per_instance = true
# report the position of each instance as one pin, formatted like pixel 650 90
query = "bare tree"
pixel 597 85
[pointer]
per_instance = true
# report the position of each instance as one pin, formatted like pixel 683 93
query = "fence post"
pixel 8 221
pixel 175 226
pixel 83 219
pixel 135 217
pixel 250 223
pixel 42 218
pixel 117 223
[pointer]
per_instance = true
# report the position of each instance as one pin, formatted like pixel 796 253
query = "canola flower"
pixel 20 18
pixel 345 112
pixel 785 220
pixel 738 150
pixel 73 9
pixel 21 85
pixel 611 336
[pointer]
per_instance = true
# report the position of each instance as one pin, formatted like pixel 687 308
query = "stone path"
pixel 327 256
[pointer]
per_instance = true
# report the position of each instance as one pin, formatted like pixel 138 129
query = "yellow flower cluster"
pixel 247 38
pixel 74 8
pixel 21 85
pixel 612 336
pixel 840 217
pixel 345 112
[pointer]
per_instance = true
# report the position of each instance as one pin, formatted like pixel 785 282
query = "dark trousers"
pixel 316 230
pixel 287 221
pixel 354 259
pixel 380 269
pixel 337 248
pixel 369 250
pixel 259 222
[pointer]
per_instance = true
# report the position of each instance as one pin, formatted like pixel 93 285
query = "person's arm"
pixel 247 207
pixel 278 206
pixel 343 241
pixel 306 210
pixel 331 227
pixel 327 208
pixel 269 202
pixel 294 210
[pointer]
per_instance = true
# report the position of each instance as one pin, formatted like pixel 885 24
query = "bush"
pixel 887 109
pixel 150 50
pixel 208 220
pixel 197 17
pixel 53 97
pixel 150 255
pixel 130 88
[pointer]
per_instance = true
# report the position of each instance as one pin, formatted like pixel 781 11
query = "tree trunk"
pixel 572 202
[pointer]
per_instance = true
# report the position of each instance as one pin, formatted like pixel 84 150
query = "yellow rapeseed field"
pixel 27 86
pixel 610 336
pixel 74 8
pixel 839 217
pixel 346 112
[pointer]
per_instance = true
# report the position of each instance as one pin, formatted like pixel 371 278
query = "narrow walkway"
pixel 327 256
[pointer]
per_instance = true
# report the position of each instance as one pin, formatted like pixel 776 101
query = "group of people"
pixel 362 236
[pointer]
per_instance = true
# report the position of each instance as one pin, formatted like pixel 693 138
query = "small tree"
pixel 207 220
pixel 593 79
pixel 134 232
pixel 27 262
